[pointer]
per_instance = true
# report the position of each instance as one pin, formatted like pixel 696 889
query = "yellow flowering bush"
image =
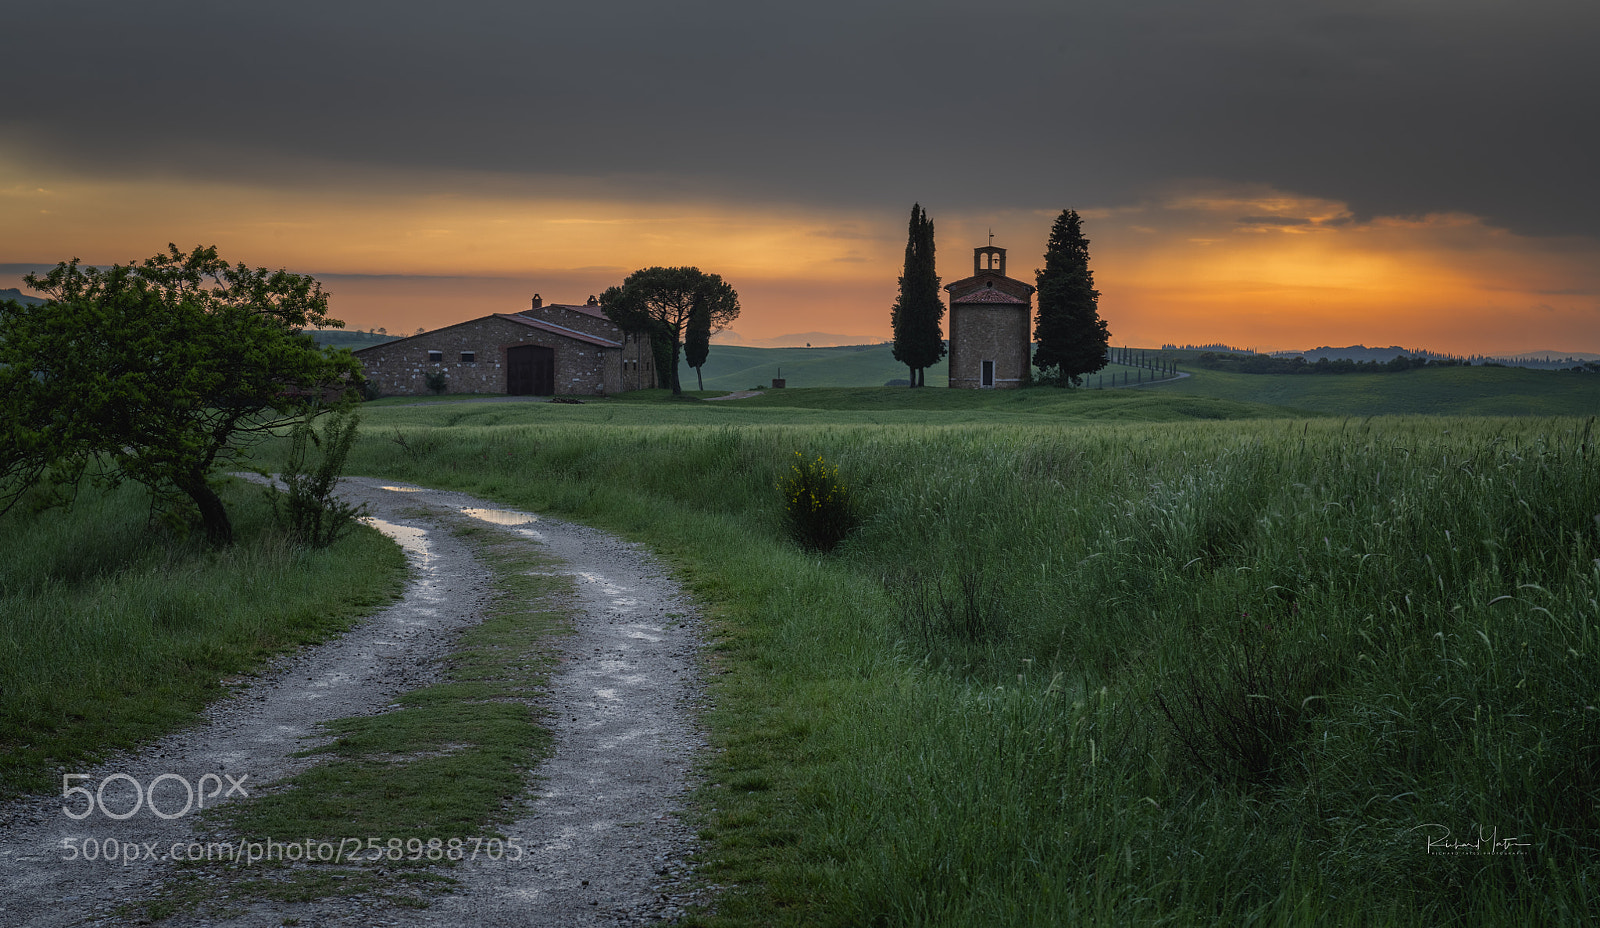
pixel 818 509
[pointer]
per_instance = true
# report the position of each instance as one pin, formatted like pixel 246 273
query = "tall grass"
pixel 1217 673
pixel 113 631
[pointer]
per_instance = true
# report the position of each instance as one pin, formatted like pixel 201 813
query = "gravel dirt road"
pixel 604 844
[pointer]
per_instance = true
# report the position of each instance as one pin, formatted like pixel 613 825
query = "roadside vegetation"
pixel 1069 671
pixel 1106 657
pixel 433 775
pixel 114 629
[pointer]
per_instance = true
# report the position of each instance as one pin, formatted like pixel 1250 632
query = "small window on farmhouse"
pixel 434 357
pixel 469 356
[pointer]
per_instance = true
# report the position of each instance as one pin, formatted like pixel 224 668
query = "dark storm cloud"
pixel 1394 107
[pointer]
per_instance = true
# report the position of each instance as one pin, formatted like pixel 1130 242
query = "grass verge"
pixel 1078 672
pixel 113 631
pixel 420 785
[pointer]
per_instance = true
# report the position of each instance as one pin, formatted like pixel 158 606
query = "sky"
pixel 1252 172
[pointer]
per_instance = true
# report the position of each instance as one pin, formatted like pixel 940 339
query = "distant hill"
pixel 340 338
pixel 1562 358
pixel 14 294
pixel 1544 360
pixel 795 340
pixel 737 367
pixel 1456 391
pixel 1355 353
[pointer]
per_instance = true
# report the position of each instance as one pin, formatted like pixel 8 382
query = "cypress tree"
pixel 918 313
pixel 697 340
pixel 1072 337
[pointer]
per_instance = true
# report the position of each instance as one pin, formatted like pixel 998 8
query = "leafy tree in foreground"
pixel 918 311
pixel 664 300
pixel 1072 337
pixel 160 372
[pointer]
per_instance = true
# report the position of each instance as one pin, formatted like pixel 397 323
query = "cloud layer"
pixel 1474 106
pixel 1251 170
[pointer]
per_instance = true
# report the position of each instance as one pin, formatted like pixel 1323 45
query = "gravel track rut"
pixel 603 839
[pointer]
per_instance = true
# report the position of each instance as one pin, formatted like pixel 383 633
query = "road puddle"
pixel 501 516
pixel 409 537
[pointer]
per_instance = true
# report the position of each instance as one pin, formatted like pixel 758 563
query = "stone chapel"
pixel 991 325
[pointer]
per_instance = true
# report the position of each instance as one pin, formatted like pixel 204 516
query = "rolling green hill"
pixel 1475 391
pixel 340 338
pixel 732 367
pixel 1463 391
pixel 15 294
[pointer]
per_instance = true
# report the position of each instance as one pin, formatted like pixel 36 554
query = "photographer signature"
pixel 1491 843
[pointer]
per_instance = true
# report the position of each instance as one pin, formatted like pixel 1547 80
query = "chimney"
pixel 593 300
pixel 538 301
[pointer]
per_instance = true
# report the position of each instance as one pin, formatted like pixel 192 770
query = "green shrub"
pixel 437 382
pixel 818 508
pixel 308 508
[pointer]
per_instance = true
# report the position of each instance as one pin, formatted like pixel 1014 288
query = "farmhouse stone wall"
pixel 400 368
pixel 638 364
pixel 586 319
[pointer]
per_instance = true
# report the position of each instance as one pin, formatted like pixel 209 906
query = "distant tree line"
pixel 1214 346
pixel 1267 364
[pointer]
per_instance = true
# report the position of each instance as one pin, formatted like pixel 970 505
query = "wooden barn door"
pixel 530 370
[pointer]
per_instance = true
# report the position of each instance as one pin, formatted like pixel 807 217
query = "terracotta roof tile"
pixel 580 307
pixel 562 330
pixel 987 295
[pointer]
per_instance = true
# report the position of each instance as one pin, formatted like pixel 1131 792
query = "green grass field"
pixel 1476 391
pixel 1077 669
pixel 732 367
pixel 1481 391
pixel 114 630
pixel 1104 657
pixel 858 371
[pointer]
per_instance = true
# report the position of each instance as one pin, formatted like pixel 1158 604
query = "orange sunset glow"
pixel 1261 269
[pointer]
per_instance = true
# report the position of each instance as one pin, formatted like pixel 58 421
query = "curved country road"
pixel 604 842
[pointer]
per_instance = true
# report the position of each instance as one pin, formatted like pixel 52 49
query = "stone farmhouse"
pixel 548 349
pixel 991 326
